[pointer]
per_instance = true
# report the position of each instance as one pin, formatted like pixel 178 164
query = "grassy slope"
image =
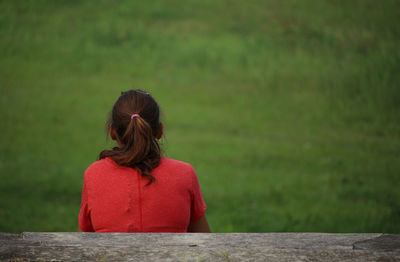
pixel 288 110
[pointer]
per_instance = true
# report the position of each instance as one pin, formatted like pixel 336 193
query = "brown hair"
pixel 136 136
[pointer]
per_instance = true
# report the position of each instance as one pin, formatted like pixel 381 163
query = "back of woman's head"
pixel 135 124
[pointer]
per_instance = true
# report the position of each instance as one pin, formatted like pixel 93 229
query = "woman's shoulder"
pixel 173 163
pixel 175 169
pixel 100 166
pixel 176 166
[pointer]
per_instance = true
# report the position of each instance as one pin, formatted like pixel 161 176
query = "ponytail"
pixel 138 146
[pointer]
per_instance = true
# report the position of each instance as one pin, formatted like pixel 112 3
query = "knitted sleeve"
pixel 85 223
pixel 198 206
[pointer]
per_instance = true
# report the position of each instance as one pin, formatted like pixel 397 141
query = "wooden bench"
pixel 199 247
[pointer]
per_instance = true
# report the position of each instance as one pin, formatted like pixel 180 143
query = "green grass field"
pixel 288 110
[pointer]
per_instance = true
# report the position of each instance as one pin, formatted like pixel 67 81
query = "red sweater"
pixel 116 198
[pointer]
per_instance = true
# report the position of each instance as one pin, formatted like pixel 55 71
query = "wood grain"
pixel 198 247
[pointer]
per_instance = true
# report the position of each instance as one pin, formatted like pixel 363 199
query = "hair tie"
pixel 134 115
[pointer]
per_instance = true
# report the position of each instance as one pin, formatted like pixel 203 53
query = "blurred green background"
pixel 288 110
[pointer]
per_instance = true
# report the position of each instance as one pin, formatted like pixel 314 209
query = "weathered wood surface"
pixel 199 247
